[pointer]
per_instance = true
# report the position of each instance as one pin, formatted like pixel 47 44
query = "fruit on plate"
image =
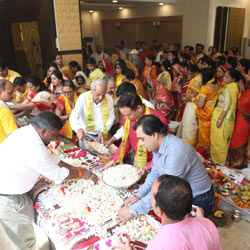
pixel 228 185
pixel 219 214
pixel 245 195
pixel 225 192
pixel 236 191
pixel 244 188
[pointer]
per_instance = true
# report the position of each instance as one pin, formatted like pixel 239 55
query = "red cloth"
pixel 184 87
pixel 133 140
pixel 31 96
pixel 108 67
pixel 163 98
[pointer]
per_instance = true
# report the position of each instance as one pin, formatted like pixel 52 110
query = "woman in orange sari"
pixel 205 103
pixel 64 105
pixel 150 70
pixel 239 149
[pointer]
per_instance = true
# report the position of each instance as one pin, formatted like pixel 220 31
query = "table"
pixel 80 215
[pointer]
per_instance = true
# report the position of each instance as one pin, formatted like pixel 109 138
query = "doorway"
pixel 27 50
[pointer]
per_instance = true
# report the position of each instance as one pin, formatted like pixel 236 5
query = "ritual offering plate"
pixel 228 185
pixel 121 176
pixel 97 148
pixel 225 192
pixel 245 195
pixel 219 214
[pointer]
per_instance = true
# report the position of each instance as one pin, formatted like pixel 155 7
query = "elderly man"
pixel 132 109
pixel 93 113
pixel 7 119
pixel 171 199
pixel 136 61
pixel 171 156
pixel 24 157
pixel 6 73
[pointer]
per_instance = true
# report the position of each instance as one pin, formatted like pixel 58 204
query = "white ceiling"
pixel 105 4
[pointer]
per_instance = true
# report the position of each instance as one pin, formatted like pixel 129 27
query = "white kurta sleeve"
pixel 77 119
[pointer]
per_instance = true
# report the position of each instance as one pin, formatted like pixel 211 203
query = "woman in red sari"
pixel 106 67
pixel 238 155
pixel 38 99
pixel 160 97
pixel 181 87
pixel 64 105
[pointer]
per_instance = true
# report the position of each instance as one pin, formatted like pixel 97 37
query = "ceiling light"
pixel 120 8
pixel 91 11
pixel 115 1
pixel 161 4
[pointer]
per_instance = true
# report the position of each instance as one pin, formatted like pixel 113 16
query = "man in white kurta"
pixel 24 157
pixel 78 117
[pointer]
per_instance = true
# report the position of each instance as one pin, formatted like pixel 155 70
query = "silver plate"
pixel 122 187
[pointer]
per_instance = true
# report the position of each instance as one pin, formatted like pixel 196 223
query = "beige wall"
pixel 198 18
pixel 194 23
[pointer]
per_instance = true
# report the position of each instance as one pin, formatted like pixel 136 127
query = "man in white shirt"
pixel 79 118
pixel 99 55
pixel 24 157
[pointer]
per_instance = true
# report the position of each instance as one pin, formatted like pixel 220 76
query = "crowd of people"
pixel 128 98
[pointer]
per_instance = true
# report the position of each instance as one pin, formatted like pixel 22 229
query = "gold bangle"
pixel 193 99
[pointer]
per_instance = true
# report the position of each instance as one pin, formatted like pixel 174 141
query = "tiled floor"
pixel 236 237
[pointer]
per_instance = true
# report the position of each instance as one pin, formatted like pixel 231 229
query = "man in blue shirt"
pixel 171 156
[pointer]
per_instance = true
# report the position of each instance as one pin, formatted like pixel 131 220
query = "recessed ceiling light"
pixel 91 11
pixel 161 4
pixel 115 1
pixel 120 8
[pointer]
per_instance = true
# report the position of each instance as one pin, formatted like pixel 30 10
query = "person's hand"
pixel 199 211
pixel 110 141
pixel 88 175
pixel 100 138
pixel 80 134
pixel 129 201
pixel 108 165
pixel 124 215
pixel 122 245
pixel 142 171
pixel 218 123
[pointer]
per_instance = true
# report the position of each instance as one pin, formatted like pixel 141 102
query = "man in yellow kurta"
pixel 6 73
pixel 7 119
